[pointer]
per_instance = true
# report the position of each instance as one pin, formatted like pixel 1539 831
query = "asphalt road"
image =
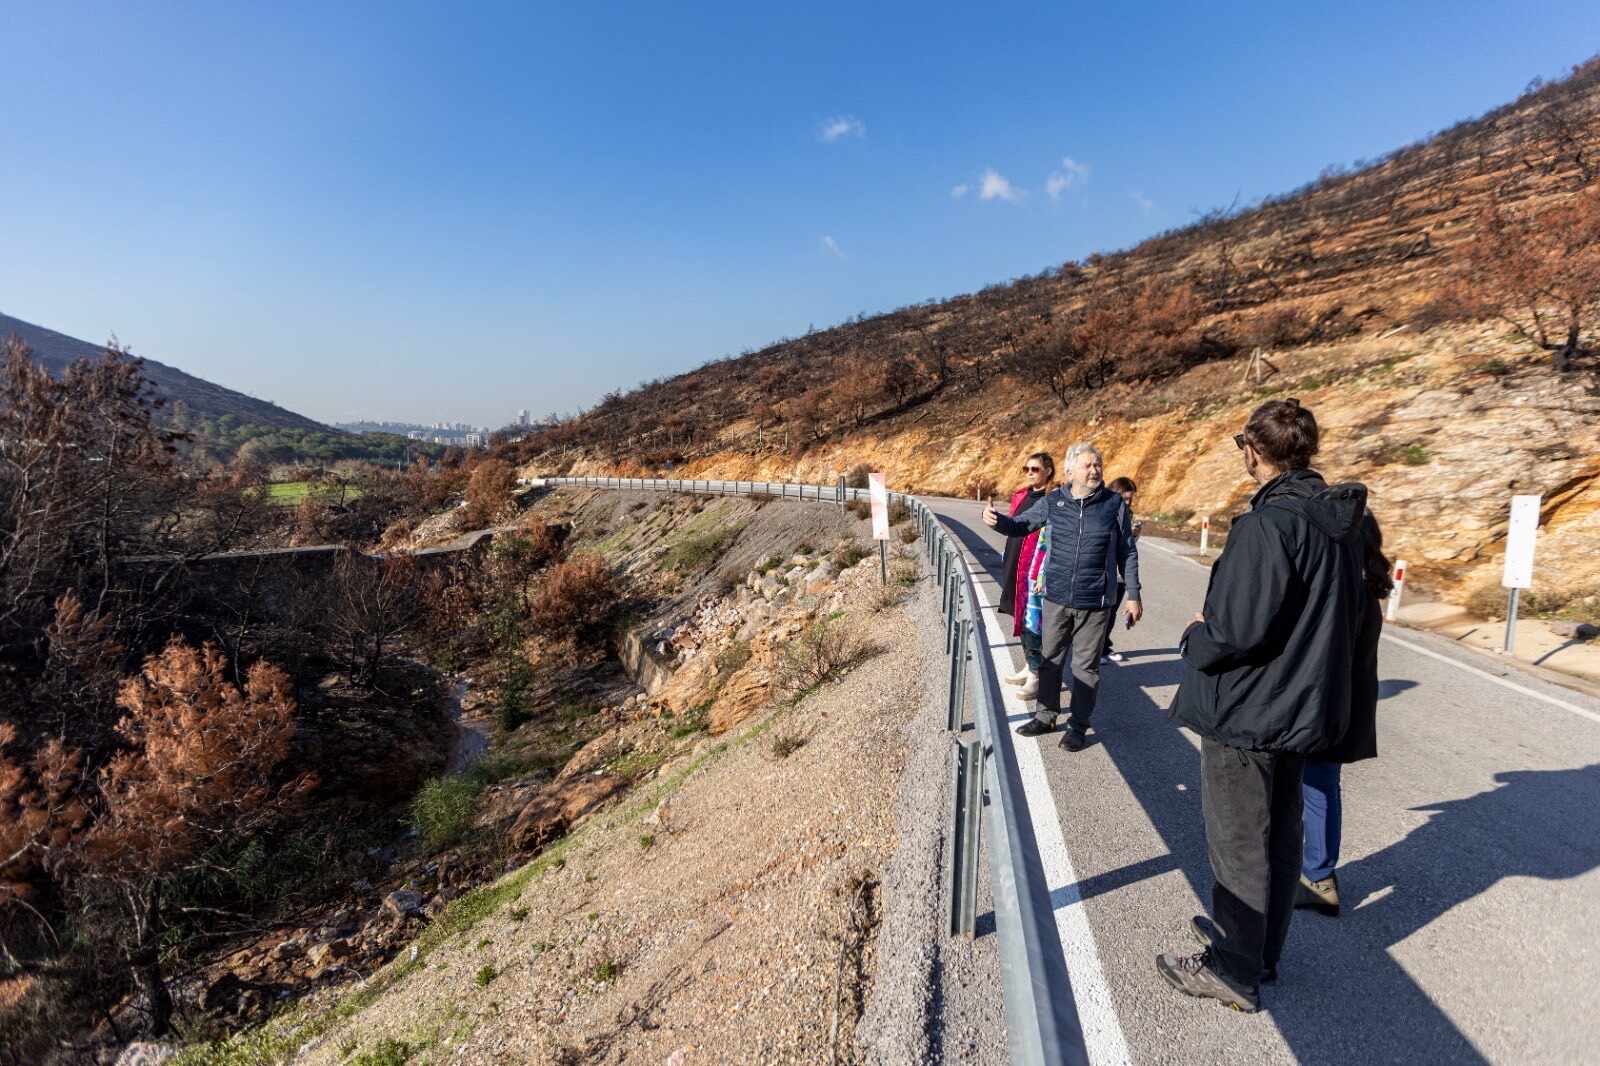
pixel 1470 866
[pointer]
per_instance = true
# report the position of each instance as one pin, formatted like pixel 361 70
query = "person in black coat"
pixel 1268 674
pixel 1324 807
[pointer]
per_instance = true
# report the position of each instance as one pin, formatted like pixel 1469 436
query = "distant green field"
pixel 290 493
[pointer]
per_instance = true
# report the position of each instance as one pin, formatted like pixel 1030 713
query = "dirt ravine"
pixel 730 907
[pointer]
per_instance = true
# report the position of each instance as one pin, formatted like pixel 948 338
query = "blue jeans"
pixel 1324 817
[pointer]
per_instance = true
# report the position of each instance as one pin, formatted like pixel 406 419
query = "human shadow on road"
pixel 1344 997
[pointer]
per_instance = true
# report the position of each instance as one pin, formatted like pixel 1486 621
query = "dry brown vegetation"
pixel 1387 242
pixel 169 705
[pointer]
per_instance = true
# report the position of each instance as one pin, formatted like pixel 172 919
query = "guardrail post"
pixel 966 802
pixel 958 679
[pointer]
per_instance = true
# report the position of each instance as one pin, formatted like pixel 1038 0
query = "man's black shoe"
pixel 1034 728
pixel 1204 931
pixel 1074 740
pixel 1194 975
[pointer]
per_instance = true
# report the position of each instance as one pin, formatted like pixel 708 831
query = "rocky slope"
pixel 703 883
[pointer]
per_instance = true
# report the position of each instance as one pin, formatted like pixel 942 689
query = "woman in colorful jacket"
pixel 1040 471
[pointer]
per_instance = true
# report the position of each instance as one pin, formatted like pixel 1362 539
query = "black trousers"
pixel 1251 804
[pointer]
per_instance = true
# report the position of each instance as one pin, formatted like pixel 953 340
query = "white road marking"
pixel 1430 653
pixel 1502 682
pixel 1102 1032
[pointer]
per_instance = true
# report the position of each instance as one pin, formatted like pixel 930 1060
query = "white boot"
pixel 1018 678
pixel 1031 689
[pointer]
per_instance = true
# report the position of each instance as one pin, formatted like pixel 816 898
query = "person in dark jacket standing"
pixel 1125 488
pixel 1324 807
pixel 1268 669
pixel 1040 470
pixel 1091 540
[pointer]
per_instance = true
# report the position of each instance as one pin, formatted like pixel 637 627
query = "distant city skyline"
pixel 555 201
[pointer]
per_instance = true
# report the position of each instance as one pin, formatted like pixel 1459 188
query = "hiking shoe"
pixel 1320 896
pixel 1205 933
pixel 1195 975
pixel 1035 728
pixel 1020 677
pixel 1074 739
pixel 1112 657
pixel 1030 688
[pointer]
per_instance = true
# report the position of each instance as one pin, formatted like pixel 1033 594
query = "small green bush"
pixel 443 809
pixel 733 657
pixel 856 477
pixel 700 550
pixel 785 744
pixel 511 706
pixel 485 975
pixel 386 1052
pixel 693 721
pixel 849 554
pixel 1414 455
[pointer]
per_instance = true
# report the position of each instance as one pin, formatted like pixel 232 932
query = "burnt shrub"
pixel 578 596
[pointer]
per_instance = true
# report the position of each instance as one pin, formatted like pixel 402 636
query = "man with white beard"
pixel 1091 539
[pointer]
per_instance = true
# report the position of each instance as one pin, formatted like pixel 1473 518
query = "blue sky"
pixel 432 212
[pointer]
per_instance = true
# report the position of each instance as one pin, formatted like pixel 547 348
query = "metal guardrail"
pixel 1042 1024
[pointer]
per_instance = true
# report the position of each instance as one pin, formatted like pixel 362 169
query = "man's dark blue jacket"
pixel 1091 539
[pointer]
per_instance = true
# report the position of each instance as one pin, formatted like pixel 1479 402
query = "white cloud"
pixel 995 187
pixel 839 127
pixel 832 246
pixel 1071 173
pixel 958 191
pixel 1145 203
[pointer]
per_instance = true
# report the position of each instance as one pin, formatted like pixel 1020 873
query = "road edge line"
pixel 1097 1013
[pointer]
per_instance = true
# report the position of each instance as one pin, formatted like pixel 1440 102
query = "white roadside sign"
pixel 880 506
pixel 1520 533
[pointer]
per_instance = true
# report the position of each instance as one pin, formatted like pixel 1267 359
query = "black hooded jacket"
pixel 1270 668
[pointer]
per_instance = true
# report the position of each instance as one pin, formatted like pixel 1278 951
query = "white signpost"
pixel 1205 533
pixel 1393 607
pixel 880 521
pixel 1520 534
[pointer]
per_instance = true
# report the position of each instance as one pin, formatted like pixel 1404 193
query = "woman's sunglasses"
pixel 1239 439
pixel 1033 470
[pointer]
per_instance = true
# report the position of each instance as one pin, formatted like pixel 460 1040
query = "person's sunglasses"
pixel 1239 439
pixel 1033 470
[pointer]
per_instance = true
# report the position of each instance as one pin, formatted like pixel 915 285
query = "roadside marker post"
pixel 1521 531
pixel 1393 607
pixel 880 522
pixel 1205 533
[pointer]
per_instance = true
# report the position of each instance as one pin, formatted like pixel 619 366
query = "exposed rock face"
pixel 1443 427
pixel 741 696
pixel 146 1053
pixel 556 808
pixel 330 952
pixel 402 902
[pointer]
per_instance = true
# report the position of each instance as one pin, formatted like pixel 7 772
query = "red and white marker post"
pixel 1394 597
pixel 1205 533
